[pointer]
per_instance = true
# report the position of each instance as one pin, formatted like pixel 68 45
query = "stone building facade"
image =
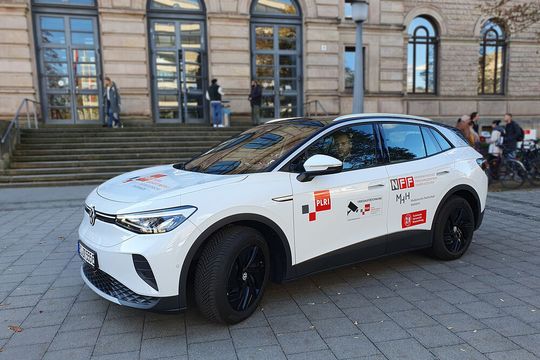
pixel 124 48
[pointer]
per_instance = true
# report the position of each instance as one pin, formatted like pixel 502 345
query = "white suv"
pixel 282 200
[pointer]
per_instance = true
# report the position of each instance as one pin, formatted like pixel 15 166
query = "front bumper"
pixel 119 280
pixel 111 289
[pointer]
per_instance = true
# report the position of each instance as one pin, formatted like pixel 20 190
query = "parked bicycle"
pixel 530 158
pixel 510 173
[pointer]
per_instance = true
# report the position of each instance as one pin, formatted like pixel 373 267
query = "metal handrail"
pixel 317 102
pixel 12 134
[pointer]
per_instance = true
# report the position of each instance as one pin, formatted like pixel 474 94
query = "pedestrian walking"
pixel 475 120
pixel 495 149
pixel 512 134
pixel 255 99
pixel 112 102
pixel 474 136
pixel 214 94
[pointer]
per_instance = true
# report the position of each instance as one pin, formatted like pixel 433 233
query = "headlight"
pixel 155 222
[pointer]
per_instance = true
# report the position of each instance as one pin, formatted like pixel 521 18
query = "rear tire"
pixel 453 229
pixel 231 274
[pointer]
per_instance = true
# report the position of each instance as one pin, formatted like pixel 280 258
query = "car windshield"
pixel 255 150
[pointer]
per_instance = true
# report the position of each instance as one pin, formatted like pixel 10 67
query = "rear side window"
pixel 443 143
pixel 432 146
pixel 404 142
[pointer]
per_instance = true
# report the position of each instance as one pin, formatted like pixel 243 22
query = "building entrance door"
pixel 178 75
pixel 276 65
pixel 69 68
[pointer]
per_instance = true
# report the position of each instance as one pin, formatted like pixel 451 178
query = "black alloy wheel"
pixel 453 229
pixel 457 230
pixel 246 278
pixel 231 274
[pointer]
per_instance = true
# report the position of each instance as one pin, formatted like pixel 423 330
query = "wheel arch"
pixel 470 195
pixel 280 251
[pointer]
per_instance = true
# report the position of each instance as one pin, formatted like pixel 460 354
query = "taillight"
pixel 482 163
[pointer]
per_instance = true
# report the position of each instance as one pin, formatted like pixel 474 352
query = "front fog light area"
pixel 155 222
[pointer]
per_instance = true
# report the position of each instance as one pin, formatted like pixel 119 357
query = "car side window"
pixel 432 146
pixel 404 142
pixel 443 143
pixel 355 146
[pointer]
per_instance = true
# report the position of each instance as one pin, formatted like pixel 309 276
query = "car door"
pixel 418 171
pixel 344 211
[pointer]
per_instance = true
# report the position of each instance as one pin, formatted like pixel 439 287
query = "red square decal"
pixel 413 219
pixel 322 200
pixel 312 216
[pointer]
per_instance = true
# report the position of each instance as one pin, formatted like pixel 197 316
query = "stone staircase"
pixel 85 155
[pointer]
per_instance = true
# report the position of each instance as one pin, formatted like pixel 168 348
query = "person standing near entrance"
pixel 112 102
pixel 255 99
pixel 214 94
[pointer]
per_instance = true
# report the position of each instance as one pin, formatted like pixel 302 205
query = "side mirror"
pixel 319 165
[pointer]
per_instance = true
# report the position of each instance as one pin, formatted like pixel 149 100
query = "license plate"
pixel 89 256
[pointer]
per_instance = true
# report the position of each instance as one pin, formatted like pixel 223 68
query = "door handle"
pixel 375 186
pixel 443 172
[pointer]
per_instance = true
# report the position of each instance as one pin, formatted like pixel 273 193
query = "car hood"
pixel 160 182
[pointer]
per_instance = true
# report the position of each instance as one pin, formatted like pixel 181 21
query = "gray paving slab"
pixel 484 306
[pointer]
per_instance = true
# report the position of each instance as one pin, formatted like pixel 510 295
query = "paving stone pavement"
pixel 483 306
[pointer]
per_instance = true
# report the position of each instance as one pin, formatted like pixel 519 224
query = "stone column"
pixel 17 67
pixel 229 57
pixel 124 51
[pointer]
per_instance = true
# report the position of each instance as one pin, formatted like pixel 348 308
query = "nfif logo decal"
pixel 402 183
pixel 323 202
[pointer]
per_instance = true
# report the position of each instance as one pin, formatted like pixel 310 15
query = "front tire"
pixel 453 229
pixel 231 274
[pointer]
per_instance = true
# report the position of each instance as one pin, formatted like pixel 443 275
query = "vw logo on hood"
pixel 92 215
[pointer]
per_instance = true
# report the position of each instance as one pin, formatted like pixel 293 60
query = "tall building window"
pixel 422 57
pixel 491 61
pixel 276 56
pixel 347 9
pixel 349 62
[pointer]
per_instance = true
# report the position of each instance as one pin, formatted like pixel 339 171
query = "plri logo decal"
pixel 323 202
pixel 402 183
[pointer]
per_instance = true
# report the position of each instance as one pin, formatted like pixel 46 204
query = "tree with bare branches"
pixel 517 15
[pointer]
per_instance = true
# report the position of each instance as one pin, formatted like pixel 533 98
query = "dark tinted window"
pixel 355 146
pixel 264 141
pixel 256 150
pixel 432 146
pixel 443 143
pixel 404 142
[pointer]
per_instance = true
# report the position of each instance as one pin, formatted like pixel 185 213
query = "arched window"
pixel 65 2
pixel 422 57
pixel 492 59
pixel 275 7
pixel 180 5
